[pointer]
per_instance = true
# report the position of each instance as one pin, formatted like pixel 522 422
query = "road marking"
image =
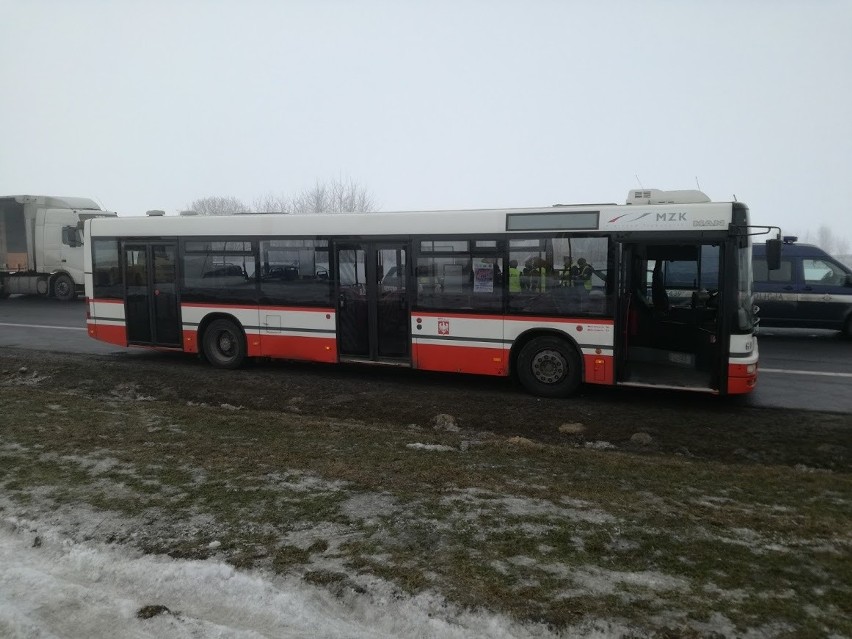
pixel 794 372
pixel 61 328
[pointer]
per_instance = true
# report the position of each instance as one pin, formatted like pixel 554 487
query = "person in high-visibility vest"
pixel 585 273
pixel 566 276
pixel 514 277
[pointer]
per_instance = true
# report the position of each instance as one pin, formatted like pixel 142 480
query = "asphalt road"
pixel 801 369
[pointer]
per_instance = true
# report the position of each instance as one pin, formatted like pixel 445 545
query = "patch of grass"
pixel 550 533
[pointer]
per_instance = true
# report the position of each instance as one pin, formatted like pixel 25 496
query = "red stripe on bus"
pixel 740 380
pixel 109 333
pixel 598 369
pixel 310 349
pixel 460 359
pixel 298 309
pixel 190 341
pixel 515 318
pixel 98 300
pixel 255 307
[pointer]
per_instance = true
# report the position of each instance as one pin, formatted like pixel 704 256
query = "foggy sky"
pixel 431 105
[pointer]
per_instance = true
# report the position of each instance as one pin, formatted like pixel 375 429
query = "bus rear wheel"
pixel 224 345
pixel 549 367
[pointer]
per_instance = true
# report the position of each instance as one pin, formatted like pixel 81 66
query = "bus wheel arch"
pixel 223 341
pixel 547 363
pixel 62 287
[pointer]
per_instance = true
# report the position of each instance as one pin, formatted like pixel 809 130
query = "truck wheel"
pixel 847 328
pixel 224 345
pixel 64 289
pixel 549 367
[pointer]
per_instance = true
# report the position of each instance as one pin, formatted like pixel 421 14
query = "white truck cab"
pixel 41 244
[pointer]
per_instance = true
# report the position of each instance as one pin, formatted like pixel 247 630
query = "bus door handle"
pixel 788 288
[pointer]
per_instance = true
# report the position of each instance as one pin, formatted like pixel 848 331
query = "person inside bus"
pixel 566 276
pixel 659 297
pixel 538 275
pixel 584 274
pixel 527 274
pixel 514 277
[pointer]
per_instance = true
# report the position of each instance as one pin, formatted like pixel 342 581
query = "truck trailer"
pixel 41 244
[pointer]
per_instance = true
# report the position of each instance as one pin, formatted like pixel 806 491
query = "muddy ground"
pixel 678 423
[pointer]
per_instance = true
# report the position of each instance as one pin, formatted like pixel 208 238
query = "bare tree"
pixel 335 196
pixel 825 239
pixel 272 203
pixel 218 205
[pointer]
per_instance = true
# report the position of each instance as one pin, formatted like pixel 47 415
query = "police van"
pixel 810 290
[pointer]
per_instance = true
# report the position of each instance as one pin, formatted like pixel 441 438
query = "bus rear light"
pixel 751 369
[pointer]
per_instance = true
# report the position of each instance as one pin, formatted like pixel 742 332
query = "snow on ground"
pixel 51 586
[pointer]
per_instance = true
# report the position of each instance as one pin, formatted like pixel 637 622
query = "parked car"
pixel 810 290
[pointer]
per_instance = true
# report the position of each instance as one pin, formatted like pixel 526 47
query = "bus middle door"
pixel 372 301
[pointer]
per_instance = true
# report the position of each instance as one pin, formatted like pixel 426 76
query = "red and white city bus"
pixel 655 293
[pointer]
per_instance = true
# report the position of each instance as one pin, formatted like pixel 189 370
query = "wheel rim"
pixel 62 288
pixel 226 344
pixel 549 367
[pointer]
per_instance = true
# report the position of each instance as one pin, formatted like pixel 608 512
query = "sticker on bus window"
pixel 483 277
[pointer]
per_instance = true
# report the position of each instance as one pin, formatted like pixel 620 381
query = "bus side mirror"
pixel 773 254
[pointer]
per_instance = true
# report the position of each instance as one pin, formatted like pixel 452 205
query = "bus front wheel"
pixel 224 344
pixel 549 367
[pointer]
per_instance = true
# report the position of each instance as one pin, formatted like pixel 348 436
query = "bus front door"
pixel 151 308
pixel 372 302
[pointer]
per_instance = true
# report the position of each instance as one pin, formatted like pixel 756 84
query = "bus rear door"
pixel 151 308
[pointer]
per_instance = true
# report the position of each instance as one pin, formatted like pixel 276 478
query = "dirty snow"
pixel 51 587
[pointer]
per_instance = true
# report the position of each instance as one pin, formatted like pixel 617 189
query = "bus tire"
pixel 63 288
pixel 549 367
pixel 224 344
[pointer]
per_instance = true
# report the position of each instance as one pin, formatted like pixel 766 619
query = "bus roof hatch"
pixel 655 196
